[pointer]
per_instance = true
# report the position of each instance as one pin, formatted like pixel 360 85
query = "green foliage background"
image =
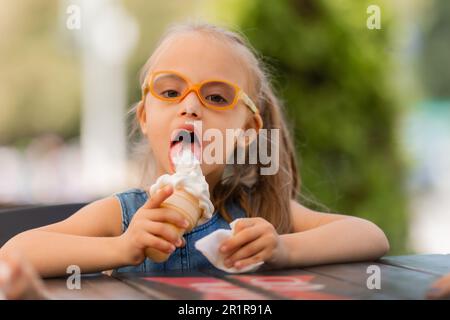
pixel 436 50
pixel 333 74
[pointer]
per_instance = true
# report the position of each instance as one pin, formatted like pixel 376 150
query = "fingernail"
pixel 237 265
pixel 185 223
pixel 5 277
pixel 5 272
pixel 179 242
pixel 223 248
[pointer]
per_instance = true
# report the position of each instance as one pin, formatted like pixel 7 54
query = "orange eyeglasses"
pixel 172 86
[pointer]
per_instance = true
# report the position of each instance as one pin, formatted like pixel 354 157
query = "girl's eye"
pixel 170 94
pixel 216 98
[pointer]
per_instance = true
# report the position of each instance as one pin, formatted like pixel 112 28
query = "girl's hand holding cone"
pixel 153 227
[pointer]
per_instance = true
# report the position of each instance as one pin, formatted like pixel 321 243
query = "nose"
pixel 191 106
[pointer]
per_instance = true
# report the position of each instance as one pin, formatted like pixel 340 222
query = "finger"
pixel 259 257
pixel 243 223
pixel 8 274
pixel 15 267
pixel 165 231
pixel 151 241
pixel 22 281
pixel 245 252
pixel 158 198
pixel 5 276
pixel 240 239
pixel 36 288
pixel 15 287
pixel 169 216
pixel 442 282
pixel 440 289
pixel 180 242
pixel 438 293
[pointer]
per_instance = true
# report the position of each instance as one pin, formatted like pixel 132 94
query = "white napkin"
pixel 209 246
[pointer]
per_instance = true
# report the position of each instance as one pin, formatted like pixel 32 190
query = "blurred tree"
pixel 39 78
pixel 153 17
pixel 333 74
pixel 435 56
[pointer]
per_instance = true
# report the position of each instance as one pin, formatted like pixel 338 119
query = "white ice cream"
pixel 189 177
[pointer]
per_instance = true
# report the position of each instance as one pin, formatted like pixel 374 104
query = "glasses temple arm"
pixel 248 102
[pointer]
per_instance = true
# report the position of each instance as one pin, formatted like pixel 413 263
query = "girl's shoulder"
pixel 132 191
pixel 130 201
pixel 131 198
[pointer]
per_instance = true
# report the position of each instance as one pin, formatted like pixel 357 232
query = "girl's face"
pixel 199 57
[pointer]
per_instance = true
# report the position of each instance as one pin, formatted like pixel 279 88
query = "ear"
pixel 254 122
pixel 141 117
pixel 258 121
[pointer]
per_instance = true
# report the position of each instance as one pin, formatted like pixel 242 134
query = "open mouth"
pixel 184 139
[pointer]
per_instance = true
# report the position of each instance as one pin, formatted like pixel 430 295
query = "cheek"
pixel 157 116
pixel 157 127
pixel 230 119
pixel 229 122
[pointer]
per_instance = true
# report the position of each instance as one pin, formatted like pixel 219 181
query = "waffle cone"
pixel 188 206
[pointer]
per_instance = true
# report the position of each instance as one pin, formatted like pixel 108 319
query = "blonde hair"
pixel 266 196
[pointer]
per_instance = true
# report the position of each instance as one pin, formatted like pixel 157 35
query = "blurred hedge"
pixel 436 51
pixel 39 73
pixel 333 74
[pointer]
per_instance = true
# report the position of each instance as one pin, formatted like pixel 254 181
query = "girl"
pixel 113 233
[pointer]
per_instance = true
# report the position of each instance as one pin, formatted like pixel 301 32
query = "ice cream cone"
pixel 191 193
pixel 188 206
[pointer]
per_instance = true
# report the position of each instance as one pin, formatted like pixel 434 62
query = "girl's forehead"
pixel 201 57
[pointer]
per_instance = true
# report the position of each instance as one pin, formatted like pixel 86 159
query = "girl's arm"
pixel 317 238
pixel 88 239
pixel 321 238
pixel 92 238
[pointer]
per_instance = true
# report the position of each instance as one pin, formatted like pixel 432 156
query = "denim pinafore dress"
pixel 182 259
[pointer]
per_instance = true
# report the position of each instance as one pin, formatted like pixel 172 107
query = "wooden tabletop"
pixel 400 277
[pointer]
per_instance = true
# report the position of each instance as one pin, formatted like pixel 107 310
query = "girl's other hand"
pixel 254 240
pixel 440 289
pixel 152 227
pixel 18 280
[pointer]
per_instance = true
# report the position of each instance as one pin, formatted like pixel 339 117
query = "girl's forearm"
pixel 345 240
pixel 51 253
